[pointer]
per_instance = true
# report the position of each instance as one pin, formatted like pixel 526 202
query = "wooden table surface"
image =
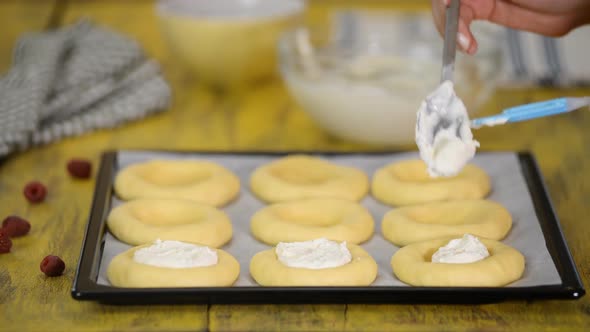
pixel 261 118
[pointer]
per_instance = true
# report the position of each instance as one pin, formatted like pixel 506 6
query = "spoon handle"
pixel 450 41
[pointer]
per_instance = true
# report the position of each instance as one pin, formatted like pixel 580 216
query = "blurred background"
pixel 242 71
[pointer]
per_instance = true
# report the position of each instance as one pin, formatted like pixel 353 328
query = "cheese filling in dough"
pixel 175 254
pixel 413 265
pixel 267 270
pixel 314 254
pixel 467 249
pixel 125 270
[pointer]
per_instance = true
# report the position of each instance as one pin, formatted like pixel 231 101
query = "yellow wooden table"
pixel 199 120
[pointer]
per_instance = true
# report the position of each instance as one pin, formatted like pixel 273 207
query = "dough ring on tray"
pixel 124 271
pixel 408 182
pixel 299 177
pixel 197 180
pixel 267 270
pixel 412 265
pixel 416 223
pixel 145 220
pixel 334 219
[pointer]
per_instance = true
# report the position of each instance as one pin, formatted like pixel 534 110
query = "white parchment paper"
pixel 508 188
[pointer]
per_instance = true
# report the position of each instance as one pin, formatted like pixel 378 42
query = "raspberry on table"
pixel 52 266
pixel 5 243
pixel 79 168
pixel 35 191
pixel 14 226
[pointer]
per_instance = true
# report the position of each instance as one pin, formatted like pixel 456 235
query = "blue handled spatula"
pixel 532 111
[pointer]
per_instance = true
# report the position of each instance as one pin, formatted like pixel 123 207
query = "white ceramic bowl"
pixel 363 75
pixel 227 42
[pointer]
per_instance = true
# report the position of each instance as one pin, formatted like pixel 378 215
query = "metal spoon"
pixel 448 66
pixel 450 41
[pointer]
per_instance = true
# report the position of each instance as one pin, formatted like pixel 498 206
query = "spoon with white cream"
pixel 443 134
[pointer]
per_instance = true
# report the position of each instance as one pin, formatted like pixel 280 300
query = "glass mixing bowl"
pixel 362 75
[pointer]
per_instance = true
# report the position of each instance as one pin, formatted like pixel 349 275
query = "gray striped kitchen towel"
pixel 73 80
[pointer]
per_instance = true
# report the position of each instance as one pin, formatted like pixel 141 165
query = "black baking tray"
pixel 85 286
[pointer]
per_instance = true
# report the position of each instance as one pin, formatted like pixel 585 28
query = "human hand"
pixel 546 17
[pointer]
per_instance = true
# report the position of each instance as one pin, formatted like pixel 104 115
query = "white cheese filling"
pixel 176 254
pixel 467 249
pixel 314 254
pixel 445 149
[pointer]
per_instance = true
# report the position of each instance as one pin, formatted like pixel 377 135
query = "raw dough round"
pixel 267 270
pixel 124 271
pixel 300 177
pixel 197 180
pixel 334 219
pixel 412 265
pixel 410 224
pixel 145 220
pixel 407 182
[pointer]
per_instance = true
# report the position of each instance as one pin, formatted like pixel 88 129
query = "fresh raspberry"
pixel 52 266
pixel 5 243
pixel 79 168
pixel 15 226
pixel 35 191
